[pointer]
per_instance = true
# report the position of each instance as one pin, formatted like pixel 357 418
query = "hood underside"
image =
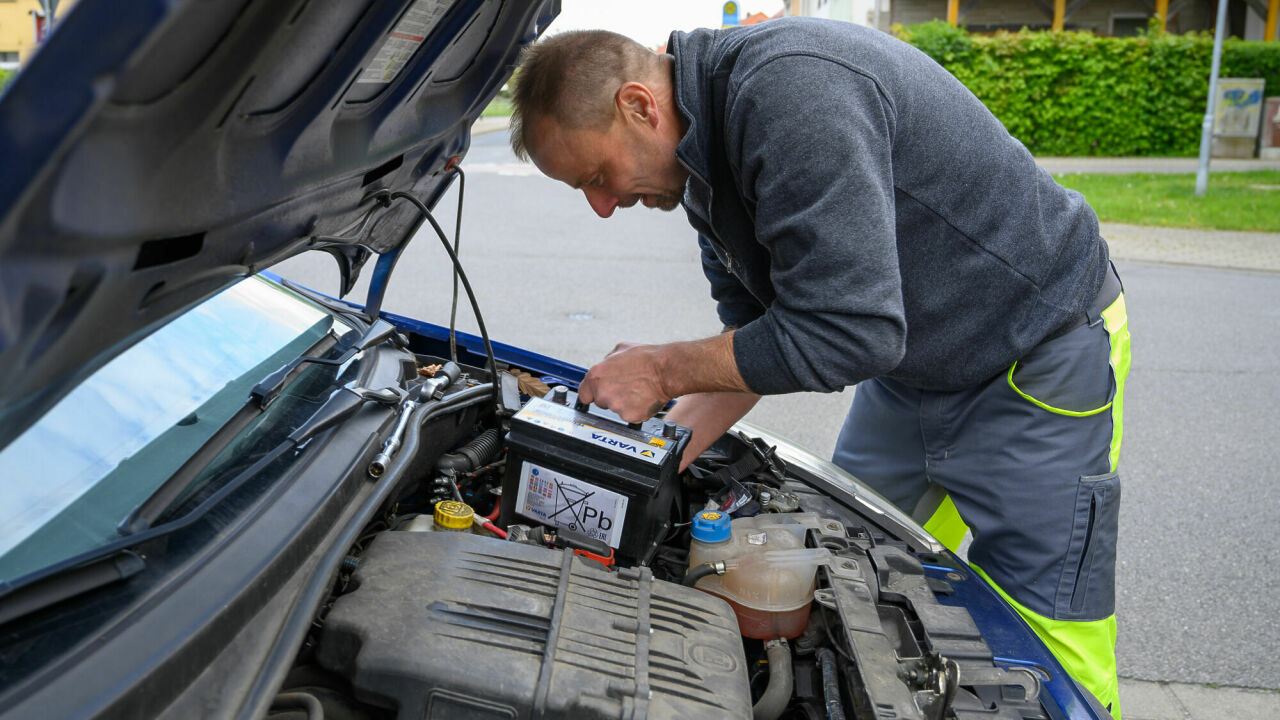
pixel 156 151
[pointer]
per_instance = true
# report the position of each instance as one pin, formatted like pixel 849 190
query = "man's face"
pixel 625 164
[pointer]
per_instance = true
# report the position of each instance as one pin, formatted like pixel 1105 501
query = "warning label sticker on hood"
pixel 416 25
pixel 554 498
pixel 567 421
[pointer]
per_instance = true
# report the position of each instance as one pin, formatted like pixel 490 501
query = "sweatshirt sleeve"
pixel 810 142
pixel 734 305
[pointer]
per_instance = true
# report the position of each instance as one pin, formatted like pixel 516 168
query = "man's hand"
pixel 636 381
pixel 708 415
pixel 628 381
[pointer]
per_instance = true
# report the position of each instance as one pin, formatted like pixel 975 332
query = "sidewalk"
pixel 1150 165
pixel 1180 246
pixel 1142 700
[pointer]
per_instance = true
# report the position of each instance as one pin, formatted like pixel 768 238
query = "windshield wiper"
pixel 109 563
pixel 17 601
pixel 270 386
pixel 262 394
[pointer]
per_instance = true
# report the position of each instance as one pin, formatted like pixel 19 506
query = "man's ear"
pixel 636 102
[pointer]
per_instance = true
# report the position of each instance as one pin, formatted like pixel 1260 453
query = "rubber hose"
pixel 830 688
pixel 781 682
pixel 301 701
pixel 695 574
pixel 479 451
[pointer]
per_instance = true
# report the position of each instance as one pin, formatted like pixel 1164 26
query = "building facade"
pixel 862 12
pixel 21 24
pixel 1246 19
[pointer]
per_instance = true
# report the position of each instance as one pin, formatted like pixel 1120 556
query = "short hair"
pixel 572 77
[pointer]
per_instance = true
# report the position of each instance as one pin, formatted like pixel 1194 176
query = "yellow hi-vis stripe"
pixel 945 525
pixel 1086 649
pixel 1116 320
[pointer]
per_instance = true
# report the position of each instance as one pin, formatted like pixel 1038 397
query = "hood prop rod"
pixel 471 295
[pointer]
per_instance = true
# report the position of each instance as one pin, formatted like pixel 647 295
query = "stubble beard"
pixel 667 202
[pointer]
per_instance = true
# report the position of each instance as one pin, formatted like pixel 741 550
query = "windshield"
pixel 108 444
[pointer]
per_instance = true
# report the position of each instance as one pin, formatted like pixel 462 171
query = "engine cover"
pixel 448 625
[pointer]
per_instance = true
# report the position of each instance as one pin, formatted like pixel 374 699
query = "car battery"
pixel 582 470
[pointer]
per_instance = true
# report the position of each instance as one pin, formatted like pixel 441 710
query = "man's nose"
pixel 602 202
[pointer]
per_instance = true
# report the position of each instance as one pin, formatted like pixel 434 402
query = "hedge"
pixel 1074 93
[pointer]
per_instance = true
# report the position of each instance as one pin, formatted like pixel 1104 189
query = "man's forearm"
pixel 696 366
pixel 635 381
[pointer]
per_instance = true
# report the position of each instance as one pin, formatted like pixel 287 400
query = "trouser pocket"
pixel 1087 590
pixel 1068 375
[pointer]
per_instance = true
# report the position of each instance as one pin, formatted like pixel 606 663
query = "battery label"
pixel 418 22
pixel 567 421
pixel 554 498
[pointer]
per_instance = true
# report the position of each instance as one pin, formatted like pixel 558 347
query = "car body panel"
pixel 162 150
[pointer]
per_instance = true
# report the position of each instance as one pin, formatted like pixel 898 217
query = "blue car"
pixel 226 495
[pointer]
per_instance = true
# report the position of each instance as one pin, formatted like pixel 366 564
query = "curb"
pixel 486 125
pixel 1148 700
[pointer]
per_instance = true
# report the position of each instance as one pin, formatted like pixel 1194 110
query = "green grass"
pixel 500 107
pixel 1233 201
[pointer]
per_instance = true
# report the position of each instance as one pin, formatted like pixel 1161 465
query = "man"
pixel 865 220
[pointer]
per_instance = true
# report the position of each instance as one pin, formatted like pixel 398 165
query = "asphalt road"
pixel 1197 600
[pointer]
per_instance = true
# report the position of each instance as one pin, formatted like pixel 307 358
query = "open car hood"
pixel 157 151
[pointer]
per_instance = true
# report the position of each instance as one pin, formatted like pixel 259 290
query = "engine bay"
pixel 557 564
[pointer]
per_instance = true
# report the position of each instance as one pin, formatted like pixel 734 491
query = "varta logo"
pixel 615 443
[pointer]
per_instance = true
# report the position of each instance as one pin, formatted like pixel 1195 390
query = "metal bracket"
pixel 1001 677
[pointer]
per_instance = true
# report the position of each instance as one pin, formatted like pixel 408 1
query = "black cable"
pixel 466 284
pixel 830 687
pixel 457 243
pixel 695 574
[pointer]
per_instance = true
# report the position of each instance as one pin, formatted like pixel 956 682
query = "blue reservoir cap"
pixel 710 526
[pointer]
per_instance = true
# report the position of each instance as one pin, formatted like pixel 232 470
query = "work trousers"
pixel 1022 472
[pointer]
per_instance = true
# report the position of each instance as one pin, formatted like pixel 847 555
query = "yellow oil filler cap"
pixel 454 515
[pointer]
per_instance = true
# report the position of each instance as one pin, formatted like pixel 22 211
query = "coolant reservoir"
pixel 770 576
pixel 449 516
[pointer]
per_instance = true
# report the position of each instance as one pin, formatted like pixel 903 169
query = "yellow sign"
pixel 730 17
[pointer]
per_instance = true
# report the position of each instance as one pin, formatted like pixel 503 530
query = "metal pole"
pixel 876 14
pixel 50 8
pixel 1206 131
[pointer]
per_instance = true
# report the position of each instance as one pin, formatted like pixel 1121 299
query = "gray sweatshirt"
pixel 862 214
